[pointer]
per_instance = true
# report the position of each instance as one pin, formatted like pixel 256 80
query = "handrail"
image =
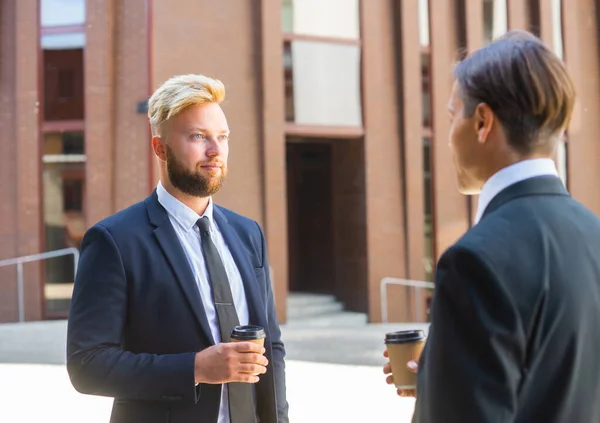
pixel 404 282
pixel 31 258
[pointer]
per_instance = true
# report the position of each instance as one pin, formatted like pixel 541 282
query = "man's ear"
pixel 159 148
pixel 484 121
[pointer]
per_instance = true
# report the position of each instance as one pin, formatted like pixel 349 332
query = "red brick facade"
pixel 378 200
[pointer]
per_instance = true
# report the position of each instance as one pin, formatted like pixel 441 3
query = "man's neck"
pixel 198 204
pixel 509 159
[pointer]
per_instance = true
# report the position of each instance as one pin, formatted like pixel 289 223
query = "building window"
pixel 289 82
pixel 424 22
pixel 62 12
pixel 426 88
pixel 64 144
pixel 73 195
pixel 495 19
pixel 428 259
pixel 64 97
pixel 63 41
pixel 322 83
pixel 323 18
pixel 557 32
pixel 66 86
pixel 73 143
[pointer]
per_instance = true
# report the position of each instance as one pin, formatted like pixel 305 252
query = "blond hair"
pixel 180 92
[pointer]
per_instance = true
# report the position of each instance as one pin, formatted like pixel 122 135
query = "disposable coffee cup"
pixel 248 333
pixel 402 347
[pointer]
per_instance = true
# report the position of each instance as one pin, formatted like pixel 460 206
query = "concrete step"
pixel 313 309
pixel 337 319
pixel 300 299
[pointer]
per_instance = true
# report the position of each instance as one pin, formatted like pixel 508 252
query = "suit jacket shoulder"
pixel 237 220
pixel 126 219
pixel 248 230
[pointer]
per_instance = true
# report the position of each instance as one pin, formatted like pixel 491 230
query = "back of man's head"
pixel 525 84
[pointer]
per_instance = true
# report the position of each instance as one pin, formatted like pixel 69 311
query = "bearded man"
pixel 161 284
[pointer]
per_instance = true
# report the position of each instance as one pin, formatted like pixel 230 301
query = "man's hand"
pixel 413 366
pixel 230 362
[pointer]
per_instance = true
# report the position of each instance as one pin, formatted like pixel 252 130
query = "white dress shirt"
pixel 511 175
pixel 184 221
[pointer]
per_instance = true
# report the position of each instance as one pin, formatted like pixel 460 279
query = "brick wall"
pixel 20 209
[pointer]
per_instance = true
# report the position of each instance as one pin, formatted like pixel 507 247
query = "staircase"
pixel 318 310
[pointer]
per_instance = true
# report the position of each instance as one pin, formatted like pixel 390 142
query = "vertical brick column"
pixel 519 14
pixel 450 207
pixel 474 41
pixel 409 71
pixel 582 55
pixel 383 155
pixel 20 209
pixel 132 147
pixel 272 112
pixel 100 109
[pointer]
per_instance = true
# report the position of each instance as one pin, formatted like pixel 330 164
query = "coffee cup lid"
pixel 402 336
pixel 247 333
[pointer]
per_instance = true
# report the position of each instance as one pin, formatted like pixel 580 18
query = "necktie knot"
pixel 203 224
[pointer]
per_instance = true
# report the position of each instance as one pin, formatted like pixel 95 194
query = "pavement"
pixel 333 375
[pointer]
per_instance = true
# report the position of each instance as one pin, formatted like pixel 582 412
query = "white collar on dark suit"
pixel 511 175
pixel 181 213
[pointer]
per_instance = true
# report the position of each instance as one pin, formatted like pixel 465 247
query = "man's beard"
pixel 193 183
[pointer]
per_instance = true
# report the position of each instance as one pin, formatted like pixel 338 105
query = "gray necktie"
pixel 241 402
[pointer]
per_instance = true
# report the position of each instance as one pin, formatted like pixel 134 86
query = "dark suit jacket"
pixel 137 320
pixel 515 332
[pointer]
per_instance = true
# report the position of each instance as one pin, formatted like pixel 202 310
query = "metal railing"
pixel 19 261
pixel 404 282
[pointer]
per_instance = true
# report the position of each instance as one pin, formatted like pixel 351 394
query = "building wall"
pixel 236 42
pixel 219 39
pixel 20 209
pixel 116 81
pixel 393 178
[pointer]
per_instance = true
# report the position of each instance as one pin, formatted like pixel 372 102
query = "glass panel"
pixel 424 22
pixel 289 82
pixel 326 84
pixel 428 260
pixel 65 143
pixel 557 36
pixel 495 19
pixel 73 143
pixel 62 12
pixel 426 88
pixel 327 18
pixel 73 195
pixel 63 85
pixel 64 198
pixel 63 41
pixel 287 15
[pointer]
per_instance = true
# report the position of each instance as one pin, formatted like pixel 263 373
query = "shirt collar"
pixel 510 175
pixel 182 214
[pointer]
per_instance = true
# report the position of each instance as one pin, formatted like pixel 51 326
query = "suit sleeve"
pixel 96 362
pixel 470 369
pixel 277 344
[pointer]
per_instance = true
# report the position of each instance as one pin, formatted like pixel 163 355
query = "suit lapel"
pixel 173 251
pixel 245 267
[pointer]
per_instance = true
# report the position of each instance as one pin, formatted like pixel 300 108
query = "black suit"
pixel 515 333
pixel 137 320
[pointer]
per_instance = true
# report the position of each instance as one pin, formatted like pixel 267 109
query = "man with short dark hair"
pixel 516 311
